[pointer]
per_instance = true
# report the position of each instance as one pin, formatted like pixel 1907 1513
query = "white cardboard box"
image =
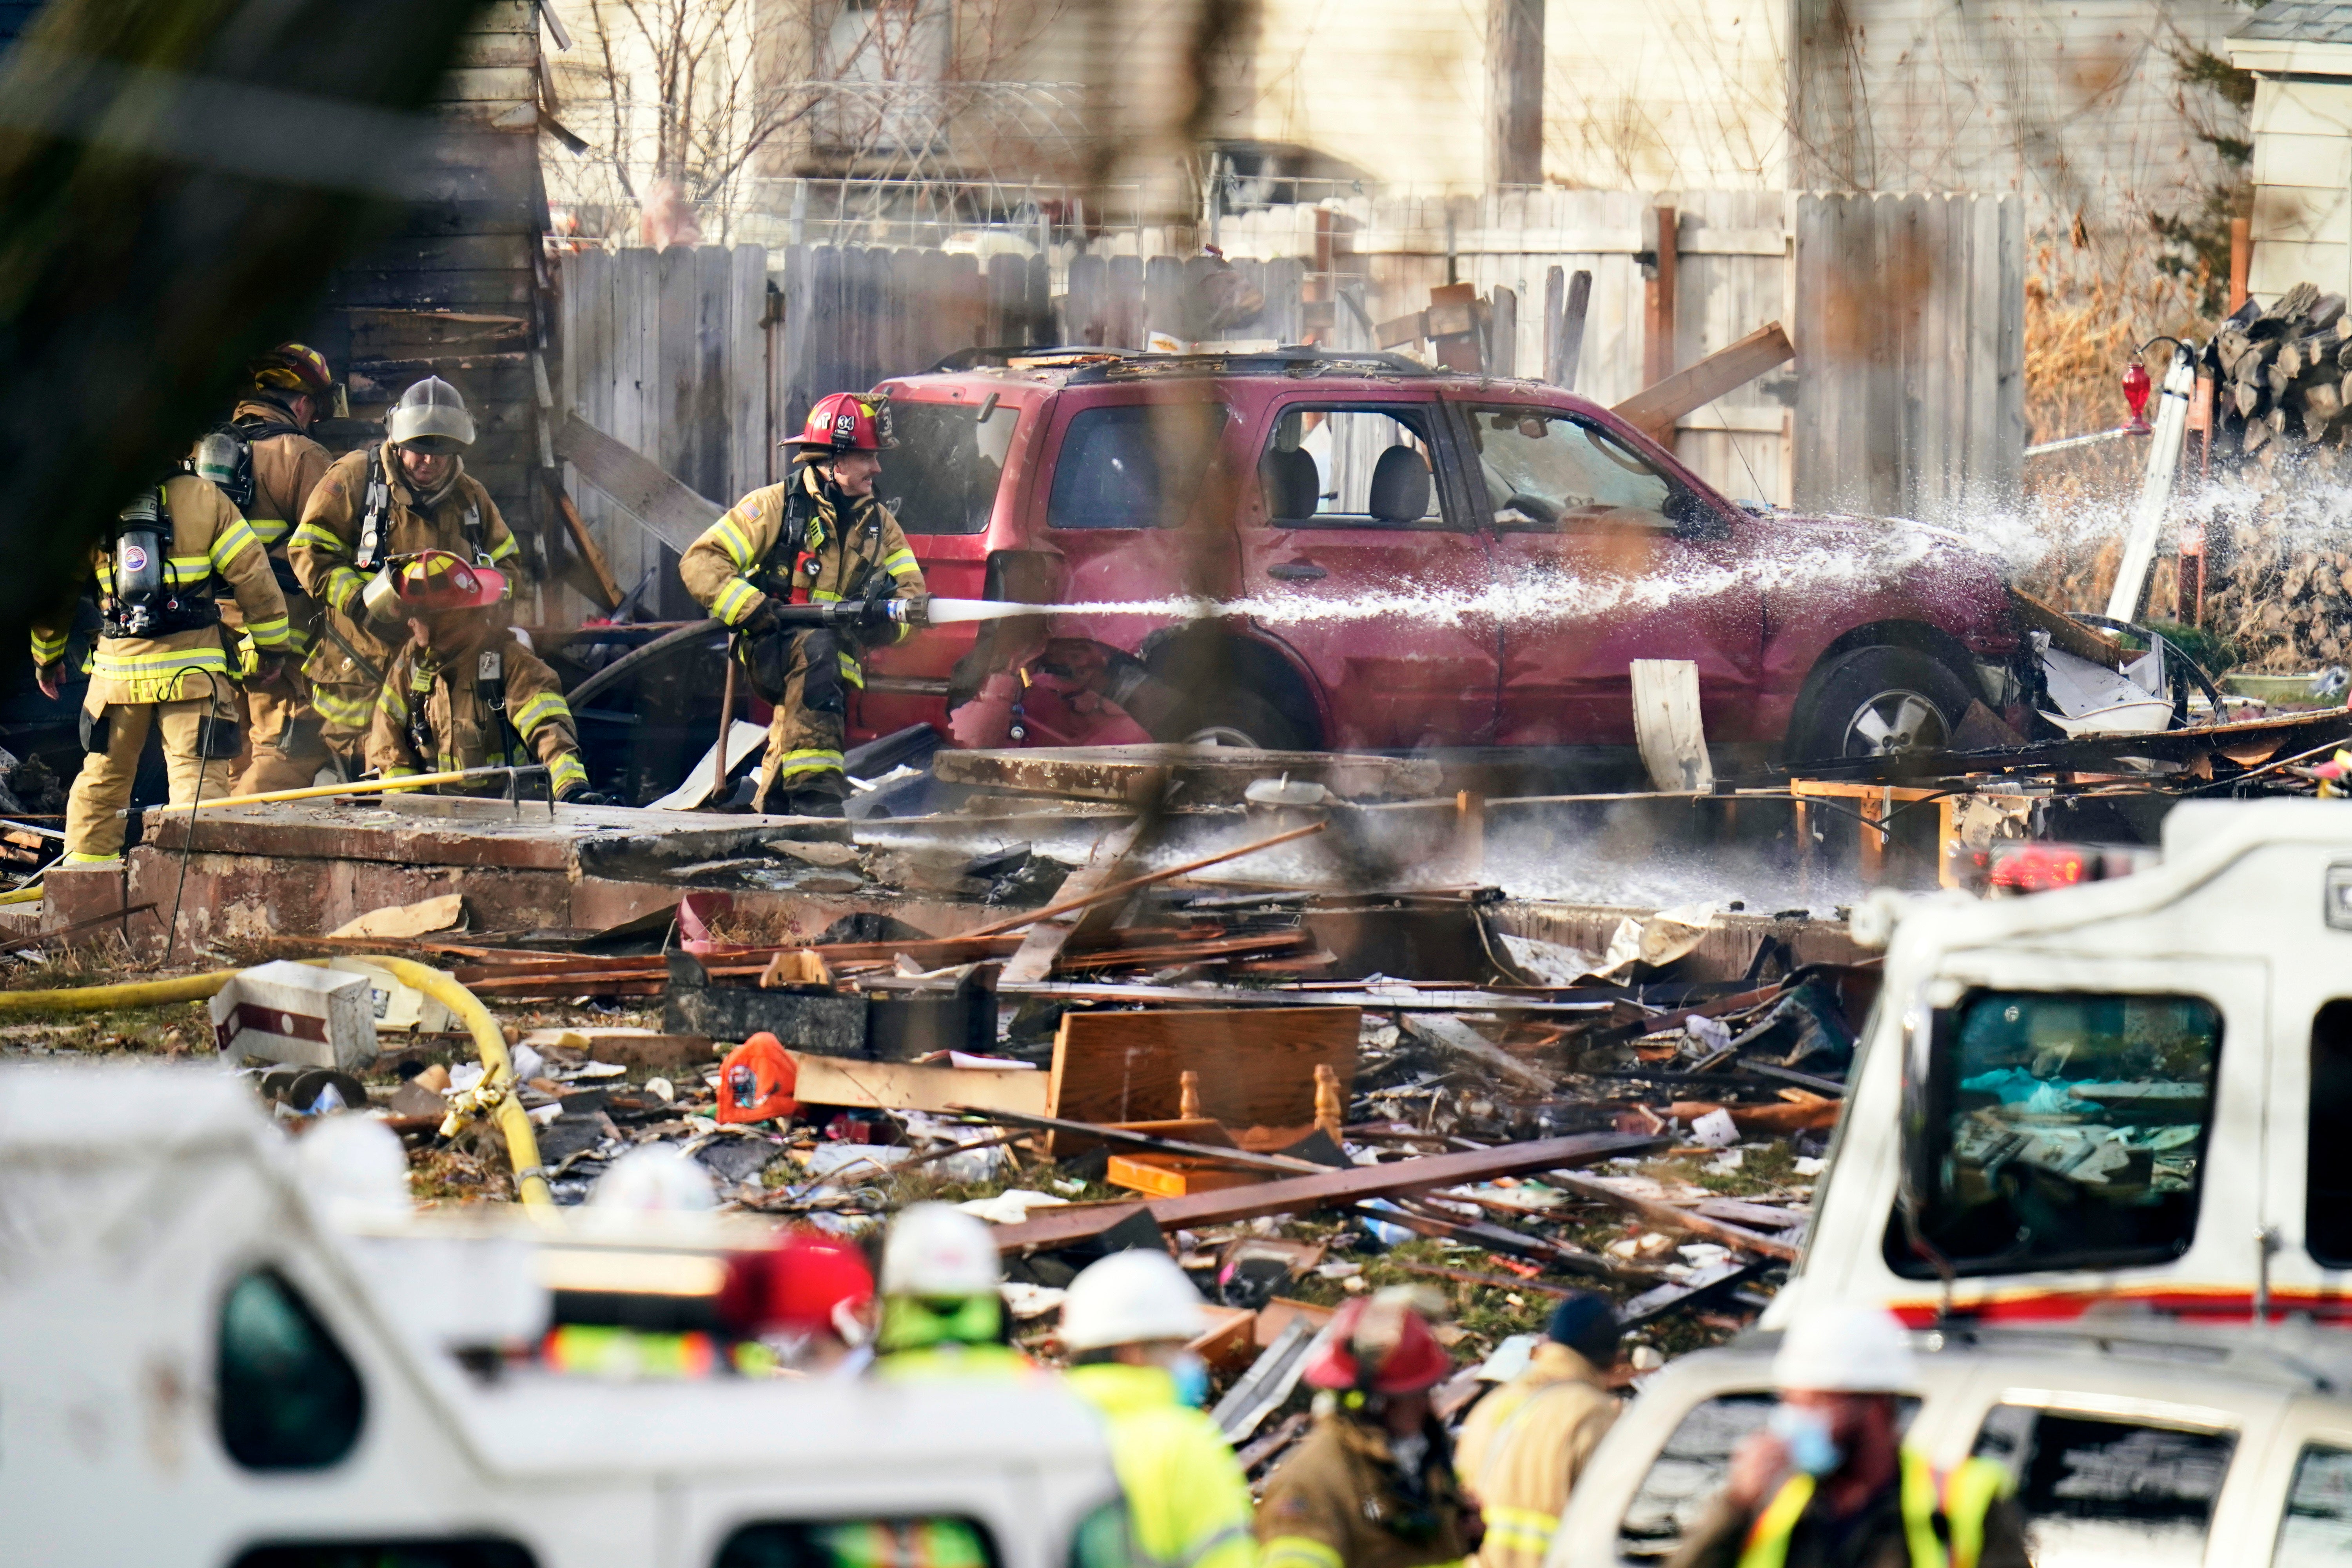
pixel 296 1014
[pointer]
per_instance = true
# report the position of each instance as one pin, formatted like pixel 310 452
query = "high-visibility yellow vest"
pixel 1188 1502
pixel 1963 1498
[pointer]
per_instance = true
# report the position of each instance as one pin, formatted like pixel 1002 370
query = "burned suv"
pixel 1320 549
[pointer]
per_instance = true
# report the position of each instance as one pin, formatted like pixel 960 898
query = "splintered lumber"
pixel 670 511
pixel 1256 1065
pixel 906 1086
pixel 1094 894
pixel 1665 1217
pixel 1336 1189
pixel 1034 958
pixel 1655 408
pixel 1127 1138
pixel 1712 1280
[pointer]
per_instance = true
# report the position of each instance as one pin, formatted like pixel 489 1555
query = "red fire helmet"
pixel 847 422
pixel 808 1283
pixel 1380 1347
pixel 756 1081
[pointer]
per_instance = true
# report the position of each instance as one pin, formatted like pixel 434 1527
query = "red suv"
pixel 1311 549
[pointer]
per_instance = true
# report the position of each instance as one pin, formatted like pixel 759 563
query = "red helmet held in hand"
pixel 845 422
pixel 1378 1345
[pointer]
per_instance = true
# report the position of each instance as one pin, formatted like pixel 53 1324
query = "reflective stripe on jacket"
pixel 323 548
pixel 1188 1502
pixel 1522 1447
pixel 209 541
pixel 724 568
pixel 464 730
pixel 1962 1499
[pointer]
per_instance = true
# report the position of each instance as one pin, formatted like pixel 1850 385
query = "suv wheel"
pixel 1235 718
pixel 1879 702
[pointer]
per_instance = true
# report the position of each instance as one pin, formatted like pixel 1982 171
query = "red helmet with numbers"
pixel 845 422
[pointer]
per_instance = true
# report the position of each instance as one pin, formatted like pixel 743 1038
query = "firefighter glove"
pixel 874 614
pixel 764 620
pixel 50 678
pixel 268 669
pixel 581 795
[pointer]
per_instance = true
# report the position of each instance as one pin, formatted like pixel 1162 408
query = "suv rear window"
pixel 2068 1132
pixel 943 476
pixel 2098 1490
pixel 1137 465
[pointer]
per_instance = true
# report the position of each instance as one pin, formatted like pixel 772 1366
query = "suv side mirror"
pixel 1694 519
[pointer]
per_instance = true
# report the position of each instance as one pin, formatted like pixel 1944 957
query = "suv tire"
pixel 1234 718
pixel 1879 701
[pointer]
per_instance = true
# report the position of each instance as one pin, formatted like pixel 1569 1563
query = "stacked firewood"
pixel 2285 378
pixel 2279 585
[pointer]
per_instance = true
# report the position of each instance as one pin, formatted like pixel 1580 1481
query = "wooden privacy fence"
pixel 1908 313
pixel 1906 395
pixel 668 352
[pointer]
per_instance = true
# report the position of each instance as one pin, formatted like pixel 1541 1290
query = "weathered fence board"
pixel 667 352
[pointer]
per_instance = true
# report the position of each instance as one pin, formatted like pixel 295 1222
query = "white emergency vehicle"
pixel 2135 1091
pixel 200 1365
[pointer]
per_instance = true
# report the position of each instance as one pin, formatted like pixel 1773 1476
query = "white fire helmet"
pixel 655 1179
pixel 354 1169
pixel 1845 1348
pixel 1130 1297
pixel 430 415
pixel 938 1252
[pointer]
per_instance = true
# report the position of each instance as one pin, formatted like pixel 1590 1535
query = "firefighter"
pixel 162 661
pixel 268 465
pixel 1126 1323
pixel 1524 1445
pixel 1828 1484
pixel 408 495
pixel 1372 1486
pixel 943 1313
pixel 462 691
pixel 821 537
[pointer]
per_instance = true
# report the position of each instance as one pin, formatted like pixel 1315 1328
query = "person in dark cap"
pixel 1524 1445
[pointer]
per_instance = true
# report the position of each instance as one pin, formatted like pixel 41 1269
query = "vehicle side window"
pixel 859 1543
pixel 2102 1489
pixel 1691 1468
pixel 2316 1532
pixel 2327 1189
pixel 1345 466
pixel 1134 465
pixel 463 1552
pixel 290 1398
pixel 943 476
pixel 2067 1130
pixel 1548 473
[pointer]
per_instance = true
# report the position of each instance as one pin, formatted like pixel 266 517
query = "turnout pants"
pixel 804 738
pixel 286 739
pixel 103 786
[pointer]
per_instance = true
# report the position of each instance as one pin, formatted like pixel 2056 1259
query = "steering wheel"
pixel 1541 510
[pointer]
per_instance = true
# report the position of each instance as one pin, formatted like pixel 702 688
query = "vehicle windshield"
pixel 1547 473
pixel 2070 1132
pixel 943 476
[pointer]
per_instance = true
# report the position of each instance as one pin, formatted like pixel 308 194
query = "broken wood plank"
pixel 670 511
pixel 1715 1280
pixel 1656 407
pixel 1338 1189
pixel 1665 1217
pixel 1451 1036
pixel 908 1086
pixel 1739 1212
pixel 1034 960
pixel 1256 1065
pixel 1124 1138
pixel 1672 740
pixel 1494 1238
pixel 1076 898
pixel 592 554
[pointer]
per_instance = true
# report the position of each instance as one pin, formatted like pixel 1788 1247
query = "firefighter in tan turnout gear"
pixel 821 537
pixel 266 462
pixel 162 660
pixel 409 495
pixel 462 691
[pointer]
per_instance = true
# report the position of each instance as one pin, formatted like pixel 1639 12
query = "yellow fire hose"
pixel 495 1093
